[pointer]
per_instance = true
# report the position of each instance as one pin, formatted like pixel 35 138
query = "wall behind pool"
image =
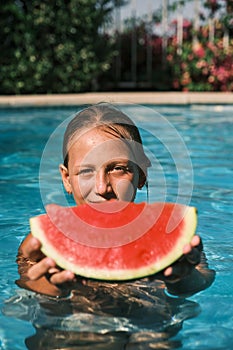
pixel 156 98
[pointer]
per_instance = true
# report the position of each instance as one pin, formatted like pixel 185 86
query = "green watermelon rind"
pixel 189 228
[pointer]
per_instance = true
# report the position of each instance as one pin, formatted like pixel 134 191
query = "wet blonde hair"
pixel 111 120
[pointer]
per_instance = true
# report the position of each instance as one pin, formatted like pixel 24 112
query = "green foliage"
pixel 53 46
pixel 60 46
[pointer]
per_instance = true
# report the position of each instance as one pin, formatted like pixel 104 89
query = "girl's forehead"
pixel 94 135
pixel 99 145
pixel 117 130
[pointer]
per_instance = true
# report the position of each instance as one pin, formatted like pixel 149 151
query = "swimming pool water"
pixel 208 316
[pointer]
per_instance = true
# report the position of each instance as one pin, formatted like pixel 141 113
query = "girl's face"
pixel 101 167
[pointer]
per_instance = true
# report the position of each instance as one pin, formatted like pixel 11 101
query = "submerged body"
pixel 107 316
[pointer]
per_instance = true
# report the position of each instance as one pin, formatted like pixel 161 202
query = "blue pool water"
pixel 192 154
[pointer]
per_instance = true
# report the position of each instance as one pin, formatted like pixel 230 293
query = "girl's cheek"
pixel 125 190
pixel 84 187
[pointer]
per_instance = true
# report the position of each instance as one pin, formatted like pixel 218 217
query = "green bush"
pixel 53 46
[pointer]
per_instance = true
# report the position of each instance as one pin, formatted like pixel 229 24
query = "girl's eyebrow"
pixel 109 163
pixel 118 160
pixel 78 166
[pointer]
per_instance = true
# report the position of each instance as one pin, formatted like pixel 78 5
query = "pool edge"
pixel 155 98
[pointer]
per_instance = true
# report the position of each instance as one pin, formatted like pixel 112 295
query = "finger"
pixel 168 271
pixel 30 245
pixel 40 269
pixel 53 270
pixel 62 277
pixel 192 251
pixel 176 272
pixel 187 248
pixel 193 257
pixel 180 269
pixel 196 241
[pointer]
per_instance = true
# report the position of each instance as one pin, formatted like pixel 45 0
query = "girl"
pixel 104 160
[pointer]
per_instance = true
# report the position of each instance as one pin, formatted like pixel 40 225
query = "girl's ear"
pixel 65 178
pixel 142 179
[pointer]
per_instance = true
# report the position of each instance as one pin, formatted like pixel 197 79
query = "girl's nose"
pixel 102 183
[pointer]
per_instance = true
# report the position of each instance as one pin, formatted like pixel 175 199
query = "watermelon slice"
pixel 115 240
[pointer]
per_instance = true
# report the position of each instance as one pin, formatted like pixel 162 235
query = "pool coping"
pixel 155 98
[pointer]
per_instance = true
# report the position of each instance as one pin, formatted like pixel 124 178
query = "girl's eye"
pixel 85 172
pixel 119 169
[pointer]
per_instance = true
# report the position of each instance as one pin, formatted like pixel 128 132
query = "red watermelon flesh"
pixel 115 240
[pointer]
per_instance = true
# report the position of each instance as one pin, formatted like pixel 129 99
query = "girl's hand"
pixel 42 266
pixel 47 267
pixel 184 266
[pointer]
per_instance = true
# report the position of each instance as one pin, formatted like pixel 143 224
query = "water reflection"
pixel 137 315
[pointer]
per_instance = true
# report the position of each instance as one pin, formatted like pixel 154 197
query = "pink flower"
pixel 200 64
pixel 199 50
pixel 170 58
pixel 184 65
pixel 212 47
pixel 222 74
pixel 186 79
pixel 205 71
pixel 211 79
